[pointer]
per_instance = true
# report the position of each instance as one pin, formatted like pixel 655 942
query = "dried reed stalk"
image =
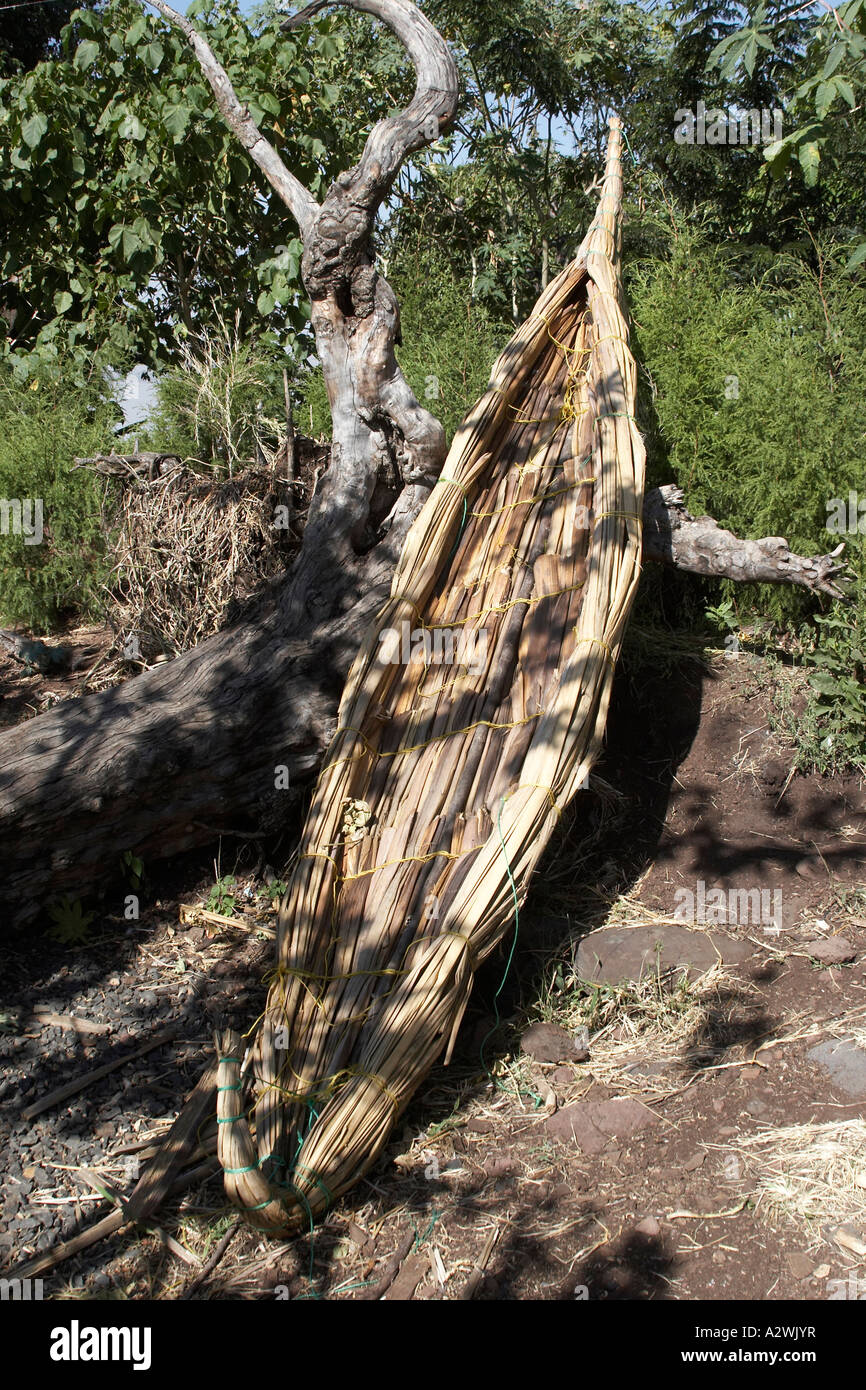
pixel 444 781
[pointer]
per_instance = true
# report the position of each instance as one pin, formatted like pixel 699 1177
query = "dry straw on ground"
pixel 811 1172
pixel 445 779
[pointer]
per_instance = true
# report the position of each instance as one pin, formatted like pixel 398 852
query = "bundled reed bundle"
pixel 473 712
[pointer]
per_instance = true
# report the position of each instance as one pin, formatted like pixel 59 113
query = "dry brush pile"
pixel 189 543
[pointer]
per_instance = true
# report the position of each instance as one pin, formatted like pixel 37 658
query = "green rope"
pixel 628 146
pixel 514 939
pixel 329 1196
pixel 420 1240
pixel 462 519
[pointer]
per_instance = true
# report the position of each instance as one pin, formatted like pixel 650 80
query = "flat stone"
pixel 548 1042
pixel 649 1228
pixel 800 1265
pixel 844 1062
pixel 661 1066
pixel 498 1166
pixel 756 1106
pixel 591 1124
pixel 831 950
pixel 612 955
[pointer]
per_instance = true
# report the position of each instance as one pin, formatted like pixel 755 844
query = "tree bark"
pixel 163 762
pixel 191 749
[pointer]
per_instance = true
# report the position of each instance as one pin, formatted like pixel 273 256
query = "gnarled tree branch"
pixel 377 420
pixel 296 197
pixel 346 220
pixel 700 545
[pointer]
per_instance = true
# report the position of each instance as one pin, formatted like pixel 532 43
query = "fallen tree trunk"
pixel 214 741
pixel 194 748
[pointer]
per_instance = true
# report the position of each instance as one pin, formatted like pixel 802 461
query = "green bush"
pixel 755 408
pixel 449 342
pixel 45 422
pixel 759 389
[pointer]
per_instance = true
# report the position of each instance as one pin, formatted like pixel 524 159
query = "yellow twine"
pixel 455 481
pixel 598 641
pixel 512 603
pixel 415 747
pixel 410 859
pixel 611 338
pixel 378 1081
pixel 626 516
pixel 528 501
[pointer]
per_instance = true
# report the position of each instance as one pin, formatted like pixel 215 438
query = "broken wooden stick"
pixel 46 1018
pixel 72 1088
pixel 390 1270
pixel 476 1278
pixel 208 1268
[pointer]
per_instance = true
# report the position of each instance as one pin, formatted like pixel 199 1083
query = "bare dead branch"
pixel 431 109
pixel 338 251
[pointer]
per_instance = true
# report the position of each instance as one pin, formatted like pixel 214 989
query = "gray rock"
pixel 612 955
pixel 844 1062
pixel 649 1228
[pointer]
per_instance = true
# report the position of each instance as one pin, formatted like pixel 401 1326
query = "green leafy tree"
pixel 825 95
pixel 130 214
pixel 30 31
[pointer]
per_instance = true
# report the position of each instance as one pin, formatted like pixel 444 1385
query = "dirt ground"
pixel 709 1146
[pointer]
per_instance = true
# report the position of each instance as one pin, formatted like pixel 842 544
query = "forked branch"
pixel 337 231
pixel 338 255
pixel 430 111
